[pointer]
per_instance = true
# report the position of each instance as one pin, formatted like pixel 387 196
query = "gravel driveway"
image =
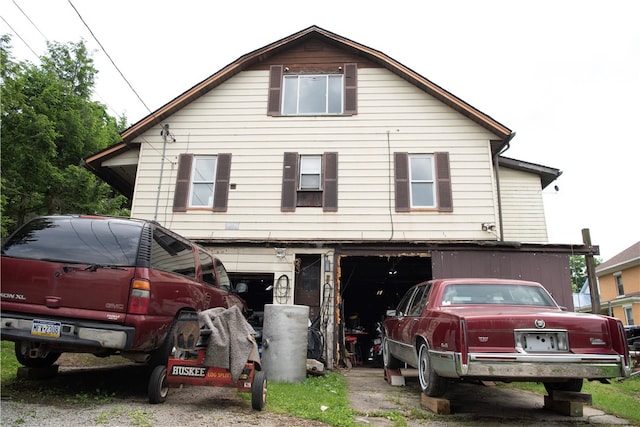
pixel 370 396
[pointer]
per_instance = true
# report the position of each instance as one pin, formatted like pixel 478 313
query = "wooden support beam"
pixel 567 402
pixel 437 405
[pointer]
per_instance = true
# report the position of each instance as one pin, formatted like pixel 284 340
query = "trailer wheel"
pixel 158 389
pixel 258 390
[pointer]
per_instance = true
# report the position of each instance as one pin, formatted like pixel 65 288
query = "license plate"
pixel 543 341
pixel 45 328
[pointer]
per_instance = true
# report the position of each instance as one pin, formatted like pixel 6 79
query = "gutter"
pixel 496 167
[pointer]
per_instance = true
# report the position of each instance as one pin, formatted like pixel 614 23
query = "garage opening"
pixel 260 292
pixel 369 286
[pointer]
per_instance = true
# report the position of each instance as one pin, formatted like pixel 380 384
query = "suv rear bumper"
pixel 74 334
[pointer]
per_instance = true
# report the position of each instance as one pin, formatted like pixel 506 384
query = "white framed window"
pixel 619 284
pixel 306 94
pixel 310 172
pixel 628 313
pixel 203 179
pixel 422 181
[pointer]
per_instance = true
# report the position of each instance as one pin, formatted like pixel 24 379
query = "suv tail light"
pixel 140 296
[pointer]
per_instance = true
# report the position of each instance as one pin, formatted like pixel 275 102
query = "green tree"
pixel 578 271
pixel 49 124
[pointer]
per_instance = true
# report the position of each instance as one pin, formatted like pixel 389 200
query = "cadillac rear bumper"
pixel 529 367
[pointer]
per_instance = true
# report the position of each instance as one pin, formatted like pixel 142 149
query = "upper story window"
pixel 310 181
pixel 310 172
pixel 422 181
pixel 312 94
pixel 202 182
pixel 326 90
pixel 619 285
pixel 422 177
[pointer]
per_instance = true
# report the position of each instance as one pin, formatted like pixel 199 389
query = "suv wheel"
pixel 22 355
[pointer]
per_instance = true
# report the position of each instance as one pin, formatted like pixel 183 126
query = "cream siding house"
pixel 343 209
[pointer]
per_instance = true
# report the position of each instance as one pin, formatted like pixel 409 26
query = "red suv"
pixel 103 285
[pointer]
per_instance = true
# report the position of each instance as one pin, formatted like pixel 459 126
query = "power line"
pixel 32 23
pixel 108 56
pixel 20 37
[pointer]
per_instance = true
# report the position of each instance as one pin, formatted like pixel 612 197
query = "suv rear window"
pixel 77 240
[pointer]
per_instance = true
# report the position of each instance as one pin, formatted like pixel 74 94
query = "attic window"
pixel 306 94
pixel 312 93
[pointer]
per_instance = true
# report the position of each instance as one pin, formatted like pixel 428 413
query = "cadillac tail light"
pixel 140 296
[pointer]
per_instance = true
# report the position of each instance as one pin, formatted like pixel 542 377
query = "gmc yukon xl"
pixel 103 285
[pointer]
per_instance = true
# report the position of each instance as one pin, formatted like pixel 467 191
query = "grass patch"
pixel 321 398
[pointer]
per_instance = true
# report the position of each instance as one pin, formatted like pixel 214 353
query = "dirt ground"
pixel 371 397
pixel 471 404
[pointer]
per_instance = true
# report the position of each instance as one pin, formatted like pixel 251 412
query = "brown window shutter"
pixel 350 89
pixel 289 182
pixel 401 168
pixel 275 90
pixel 181 193
pixel 330 182
pixel 443 177
pixel 221 191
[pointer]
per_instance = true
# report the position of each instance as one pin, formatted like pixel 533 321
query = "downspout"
pixel 496 166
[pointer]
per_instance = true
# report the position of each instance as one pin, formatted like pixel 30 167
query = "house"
pixel 325 173
pixel 619 280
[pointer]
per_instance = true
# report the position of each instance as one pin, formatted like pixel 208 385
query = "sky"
pixel 564 75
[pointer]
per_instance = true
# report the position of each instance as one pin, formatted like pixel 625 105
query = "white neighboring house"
pixel 325 173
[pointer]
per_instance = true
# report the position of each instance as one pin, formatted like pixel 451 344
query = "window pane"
pixel 310 164
pixel 202 194
pixel 310 181
pixel 204 169
pixel 421 168
pixel 313 94
pixel 335 95
pixel 310 172
pixel 422 194
pixel 290 95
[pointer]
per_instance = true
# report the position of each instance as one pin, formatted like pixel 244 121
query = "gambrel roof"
pixel 122 183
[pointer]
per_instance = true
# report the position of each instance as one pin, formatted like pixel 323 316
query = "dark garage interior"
pixel 370 285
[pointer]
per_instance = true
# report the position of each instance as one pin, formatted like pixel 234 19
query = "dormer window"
pixel 312 94
pixel 325 90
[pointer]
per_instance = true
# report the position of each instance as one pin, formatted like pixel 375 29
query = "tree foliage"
pixel 49 124
pixel 578 271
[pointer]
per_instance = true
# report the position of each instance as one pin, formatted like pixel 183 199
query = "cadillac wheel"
pixel 430 382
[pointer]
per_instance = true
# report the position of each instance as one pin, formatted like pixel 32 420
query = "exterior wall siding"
pixel 522 207
pixel 393 116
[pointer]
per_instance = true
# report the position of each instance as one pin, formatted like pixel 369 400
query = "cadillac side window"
pixel 171 254
pixel 307 94
pixel 203 179
pixel 422 178
pixel 401 310
pixel 419 300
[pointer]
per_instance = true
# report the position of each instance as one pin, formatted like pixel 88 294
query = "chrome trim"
pixel 523 367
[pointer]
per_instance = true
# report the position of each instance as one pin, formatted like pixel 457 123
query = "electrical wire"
pixel 20 37
pixel 109 56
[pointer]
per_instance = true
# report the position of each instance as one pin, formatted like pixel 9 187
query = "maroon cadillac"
pixel 500 330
